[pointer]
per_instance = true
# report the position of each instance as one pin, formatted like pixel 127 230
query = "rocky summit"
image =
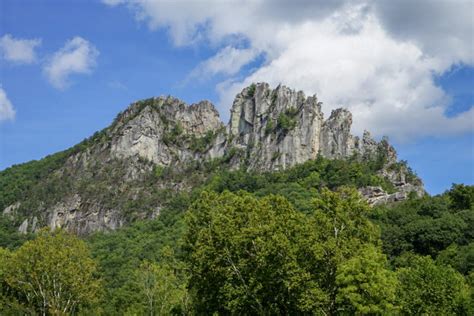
pixel 117 174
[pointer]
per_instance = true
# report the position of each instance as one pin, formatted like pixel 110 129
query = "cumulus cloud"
pixel 377 58
pixel 440 28
pixel 6 108
pixel 20 51
pixel 77 56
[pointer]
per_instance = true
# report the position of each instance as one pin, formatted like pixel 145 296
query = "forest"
pixel 300 241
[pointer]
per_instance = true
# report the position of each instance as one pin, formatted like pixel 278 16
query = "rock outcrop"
pixel 269 129
pixel 281 128
pixel 145 130
pixel 377 195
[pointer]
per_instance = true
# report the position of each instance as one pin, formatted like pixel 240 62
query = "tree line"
pixel 241 252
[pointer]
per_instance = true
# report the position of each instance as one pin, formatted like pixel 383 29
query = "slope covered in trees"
pixel 299 241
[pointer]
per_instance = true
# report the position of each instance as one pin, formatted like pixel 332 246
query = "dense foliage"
pixel 122 255
pixel 432 289
pixel 52 274
pixel 17 181
pixel 9 235
pixel 299 241
pixel 261 256
pixel 440 226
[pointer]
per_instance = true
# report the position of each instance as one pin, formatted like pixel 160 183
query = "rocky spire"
pixel 281 127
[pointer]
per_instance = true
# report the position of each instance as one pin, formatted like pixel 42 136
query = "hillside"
pixel 160 146
pixel 280 212
pixel 301 248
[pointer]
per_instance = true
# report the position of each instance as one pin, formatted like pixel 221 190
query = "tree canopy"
pixel 261 256
pixel 297 241
pixel 52 274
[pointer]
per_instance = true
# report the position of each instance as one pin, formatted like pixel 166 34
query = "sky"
pixel 405 69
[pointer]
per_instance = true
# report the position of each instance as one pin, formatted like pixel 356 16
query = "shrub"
pixel 285 123
pixel 269 128
pixel 251 90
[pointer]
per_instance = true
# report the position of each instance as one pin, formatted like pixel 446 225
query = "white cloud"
pixel 77 56
pixel 228 61
pixel 6 108
pixel 20 51
pixel 377 58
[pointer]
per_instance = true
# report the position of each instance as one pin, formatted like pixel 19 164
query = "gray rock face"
pixel 144 132
pixel 23 227
pixel 336 139
pixel 281 128
pixel 269 129
pixel 11 209
pixel 377 196
pixel 69 214
pixel 276 128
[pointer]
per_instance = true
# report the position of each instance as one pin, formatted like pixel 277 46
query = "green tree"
pixel 243 254
pixel 470 282
pixel 261 256
pixel 251 90
pixel 10 237
pixel 9 305
pixel 462 196
pixel 53 274
pixel 4 256
pixel 340 233
pixel 426 226
pixel 161 288
pixel 285 122
pixel 430 289
pixel 366 286
pixel 459 257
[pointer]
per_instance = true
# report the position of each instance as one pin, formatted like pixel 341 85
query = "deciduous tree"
pixel 53 274
pixel 430 289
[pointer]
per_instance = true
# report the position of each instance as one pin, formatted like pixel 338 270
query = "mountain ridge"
pixel 94 184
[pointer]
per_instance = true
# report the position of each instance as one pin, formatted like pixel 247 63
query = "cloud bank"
pixel 77 56
pixel 19 51
pixel 377 58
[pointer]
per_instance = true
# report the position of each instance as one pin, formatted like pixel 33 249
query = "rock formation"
pixel 145 131
pixel 269 129
pixel 281 128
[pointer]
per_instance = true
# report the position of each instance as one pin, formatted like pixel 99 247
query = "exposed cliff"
pixel 97 184
pixel 163 130
pixel 280 128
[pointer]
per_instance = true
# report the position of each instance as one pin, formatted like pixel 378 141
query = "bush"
pixel 269 128
pixel 285 123
pixel 251 90
pixel 201 144
pixel 287 120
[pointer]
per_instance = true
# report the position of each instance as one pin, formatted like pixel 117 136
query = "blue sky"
pixel 67 69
